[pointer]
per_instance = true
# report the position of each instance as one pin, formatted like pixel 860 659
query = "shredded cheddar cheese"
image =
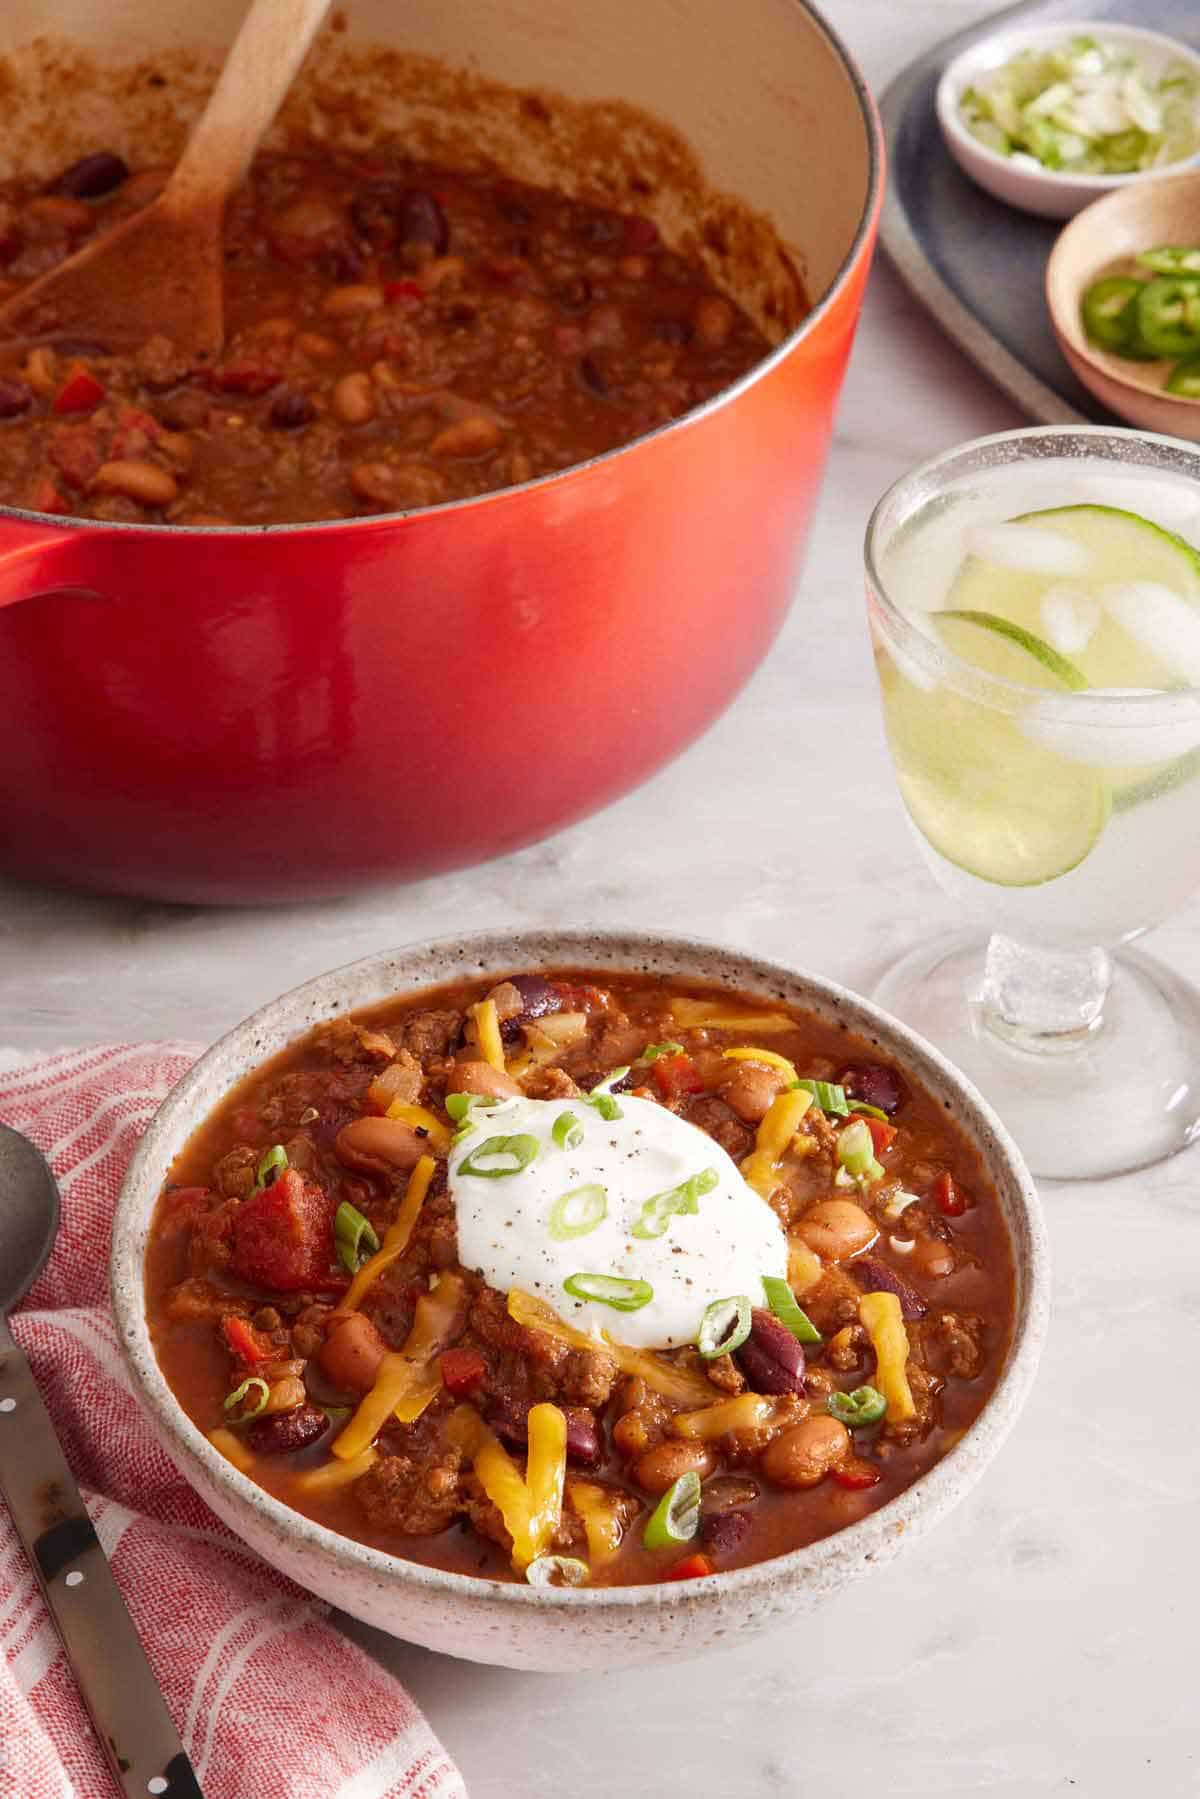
pixel 747 1412
pixel 421 1120
pixel 774 1138
pixel 880 1314
pixel 336 1474
pixel 674 1383
pixel 697 1014
pixel 601 1514
pixel 804 1266
pixel 769 1058
pixel 232 1448
pixel 487 1032
pixel 531 1506
pixel 397 1236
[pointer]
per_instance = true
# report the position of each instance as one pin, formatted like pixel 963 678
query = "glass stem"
pixel 1044 1001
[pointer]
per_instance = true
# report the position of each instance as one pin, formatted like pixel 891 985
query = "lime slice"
pixel 983 794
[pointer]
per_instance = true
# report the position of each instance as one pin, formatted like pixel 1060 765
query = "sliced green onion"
pixel 676 1517
pixel 782 1302
pixel 829 1096
pixel 567 1131
pixel 239 1393
pixel 855 1148
pixel 866 1405
pixel 351 1232
pixel 660 1208
pixel 724 1326
pixel 899 1204
pixel 602 1099
pixel 653 1051
pixel 576 1213
pixel 270 1167
pixel 860 1105
pixel 558 1571
pixel 458 1105
pixel 514 1153
pixel 616 1290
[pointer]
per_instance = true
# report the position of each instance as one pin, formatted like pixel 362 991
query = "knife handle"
pixel 118 1686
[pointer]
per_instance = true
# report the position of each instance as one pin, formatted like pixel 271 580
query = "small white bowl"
pixel 570 1629
pixel 1044 191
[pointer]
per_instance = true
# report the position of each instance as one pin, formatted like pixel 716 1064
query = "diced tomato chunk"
pixel 676 1075
pixel 856 1474
pixel 462 1369
pixel 883 1135
pixel 283 1238
pixel 80 392
pixel 692 1567
pixel 948 1196
pixel 407 290
pixel 247 1344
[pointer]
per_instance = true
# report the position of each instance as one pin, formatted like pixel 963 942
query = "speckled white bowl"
pixel 489 1620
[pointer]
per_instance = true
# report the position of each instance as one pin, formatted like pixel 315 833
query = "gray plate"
pixel 976 264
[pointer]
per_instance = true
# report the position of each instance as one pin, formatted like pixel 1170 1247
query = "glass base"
pixel 1123 1095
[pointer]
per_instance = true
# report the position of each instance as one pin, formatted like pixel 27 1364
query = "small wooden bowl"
pixel 1166 211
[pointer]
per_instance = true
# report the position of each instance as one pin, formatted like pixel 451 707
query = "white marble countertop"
pixel 1042 1640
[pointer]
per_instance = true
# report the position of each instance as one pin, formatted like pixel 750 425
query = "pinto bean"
pixel 374 1145
pixel 712 320
pixel 353 398
pixel 482 1078
pixel 144 482
pixel 348 302
pixel 475 435
pixel 750 1087
pixel 662 1466
pixel 91 176
pixel 286 1432
pixel 836 1229
pixel 351 1354
pixel 804 1455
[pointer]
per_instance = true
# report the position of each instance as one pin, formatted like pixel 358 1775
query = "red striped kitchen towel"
pixel 271 1700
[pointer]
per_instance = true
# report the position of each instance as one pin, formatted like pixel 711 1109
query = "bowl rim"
pixel 1065 321
pixel 982 54
pixel 857 249
pixel 261 1034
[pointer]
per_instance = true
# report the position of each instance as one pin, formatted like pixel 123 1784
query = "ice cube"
pixel 1028 549
pixel 1165 625
pixel 1069 618
pixel 1126 743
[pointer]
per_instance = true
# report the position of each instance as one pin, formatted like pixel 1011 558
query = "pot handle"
pixel 35 562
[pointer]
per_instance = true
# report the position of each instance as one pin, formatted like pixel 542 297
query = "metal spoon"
pixel 115 1679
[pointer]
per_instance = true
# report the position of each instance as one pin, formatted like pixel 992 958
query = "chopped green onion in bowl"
pixel 1087 106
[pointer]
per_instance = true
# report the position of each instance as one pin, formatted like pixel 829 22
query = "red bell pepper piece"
pixel 409 290
pixel 856 1475
pixel 283 1238
pixel 245 1343
pixel 883 1135
pixel 80 392
pixel 676 1075
pixel 948 1196
pixel 692 1567
pixel 462 1369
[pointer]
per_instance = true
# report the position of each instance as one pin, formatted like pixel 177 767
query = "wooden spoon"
pixel 161 270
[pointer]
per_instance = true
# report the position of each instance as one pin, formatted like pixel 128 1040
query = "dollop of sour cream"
pixel 721 1249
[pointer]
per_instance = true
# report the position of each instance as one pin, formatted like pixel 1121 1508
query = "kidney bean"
pixel 673 331
pixel 15 398
pixel 725 1532
pixel 728 1493
pixel 538 998
pixel 91 176
pixel 291 409
pixel 875 1085
pixel 421 220
pixel 287 1432
pixel 593 377
pixel 771 1358
pixel 510 1420
pixel 880 1277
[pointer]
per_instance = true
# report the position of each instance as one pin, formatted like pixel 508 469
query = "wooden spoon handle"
pixel 274 40
pixel 115 1679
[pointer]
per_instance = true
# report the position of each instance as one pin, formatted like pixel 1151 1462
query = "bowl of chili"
pixel 859 1395
pixel 527 399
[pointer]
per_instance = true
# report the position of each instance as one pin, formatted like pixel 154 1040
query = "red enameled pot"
pixel 233 715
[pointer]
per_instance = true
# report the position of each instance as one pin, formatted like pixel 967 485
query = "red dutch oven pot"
pixel 254 714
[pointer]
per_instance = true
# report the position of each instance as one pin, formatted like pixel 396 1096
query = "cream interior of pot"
pixel 737 127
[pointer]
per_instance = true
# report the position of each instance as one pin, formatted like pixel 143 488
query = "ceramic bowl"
pixel 1166 211
pixel 494 1621
pixel 1025 185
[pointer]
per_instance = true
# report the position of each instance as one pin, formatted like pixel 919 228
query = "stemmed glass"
pixel 1065 818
